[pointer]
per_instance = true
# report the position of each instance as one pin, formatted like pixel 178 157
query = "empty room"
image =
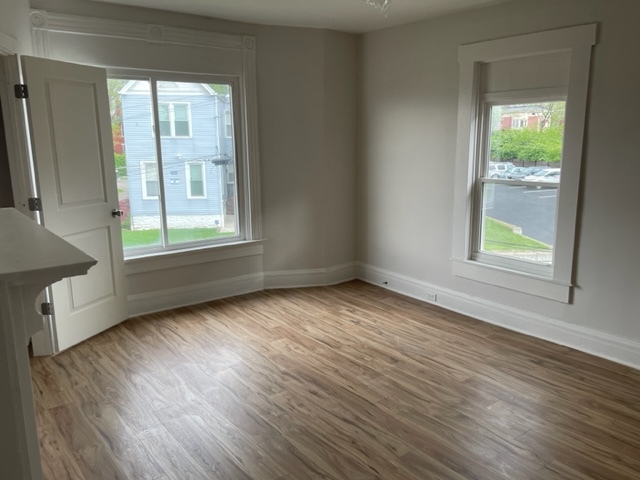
pixel 319 239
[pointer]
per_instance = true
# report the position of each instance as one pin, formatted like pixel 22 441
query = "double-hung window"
pixel 180 145
pixel 520 133
pixel 174 119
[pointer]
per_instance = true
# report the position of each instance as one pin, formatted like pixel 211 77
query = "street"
pixel 532 209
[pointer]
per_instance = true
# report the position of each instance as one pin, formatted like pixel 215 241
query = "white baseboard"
pixel 617 349
pixel 311 277
pixel 191 295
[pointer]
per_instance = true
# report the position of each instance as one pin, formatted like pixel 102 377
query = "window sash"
pixel 481 160
pixel 496 259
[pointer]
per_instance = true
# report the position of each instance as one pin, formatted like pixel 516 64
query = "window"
pixel 196 184
pixel 174 119
pixel 149 177
pixel 521 128
pixel 515 212
pixel 176 194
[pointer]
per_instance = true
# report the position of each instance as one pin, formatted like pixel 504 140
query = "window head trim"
pixel 578 41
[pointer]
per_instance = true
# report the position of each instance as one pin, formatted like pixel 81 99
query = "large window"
pixel 521 129
pixel 176 149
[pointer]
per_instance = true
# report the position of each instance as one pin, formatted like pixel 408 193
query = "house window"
pixel 520 134
pixel 163 214
pixel 519 123
pixel 196 181
pixel 174 119
pixel 149 178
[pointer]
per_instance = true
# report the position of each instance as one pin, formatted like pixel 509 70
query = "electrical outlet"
pixel 431 297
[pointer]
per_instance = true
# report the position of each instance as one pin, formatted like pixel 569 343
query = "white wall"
pixel 14 38
pixel 14 26
pixel 406 173
pixel 307 128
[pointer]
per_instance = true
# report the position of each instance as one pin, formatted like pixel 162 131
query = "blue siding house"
pixel 196 149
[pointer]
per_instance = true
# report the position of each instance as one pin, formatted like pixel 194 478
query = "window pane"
pixel 196 180
pixel 165 119
pixel 200 203
pixel 151 183
pixel 519 221
pixel 180 111
pixel 134 147
pixel 181 119
pixel 163 112
pixel 182 129
pixel 524 139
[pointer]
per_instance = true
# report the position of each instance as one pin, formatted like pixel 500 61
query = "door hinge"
pixel 21 90
pixel 35 205
pixel 47 308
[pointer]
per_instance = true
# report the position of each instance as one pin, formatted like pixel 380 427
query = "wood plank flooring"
pixel 350 382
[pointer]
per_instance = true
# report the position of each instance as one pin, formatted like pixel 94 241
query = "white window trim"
pixel 101 33
pixel 143 179
pixel 172 119
pixel 578 41
pixel 187 170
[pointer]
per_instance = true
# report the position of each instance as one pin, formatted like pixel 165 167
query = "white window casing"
pixel 485 78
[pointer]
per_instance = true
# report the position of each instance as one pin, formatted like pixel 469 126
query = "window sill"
pixel 193 256
pixel 512 280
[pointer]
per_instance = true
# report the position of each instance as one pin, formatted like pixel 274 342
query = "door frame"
pixel 22 172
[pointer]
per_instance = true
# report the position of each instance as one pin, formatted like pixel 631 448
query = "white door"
pixel 70 126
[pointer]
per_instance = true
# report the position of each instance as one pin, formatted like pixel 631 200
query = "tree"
pixel 540 141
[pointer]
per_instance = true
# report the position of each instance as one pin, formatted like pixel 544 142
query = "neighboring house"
pixel 197 154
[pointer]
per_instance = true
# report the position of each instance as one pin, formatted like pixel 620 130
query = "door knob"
pixel 116 213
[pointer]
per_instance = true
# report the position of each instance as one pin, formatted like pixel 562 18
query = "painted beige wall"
pixel 307 148
pixel 14 35
pixel 409 102
pixel 14 22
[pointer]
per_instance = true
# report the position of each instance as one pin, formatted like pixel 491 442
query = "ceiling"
pixel 345 15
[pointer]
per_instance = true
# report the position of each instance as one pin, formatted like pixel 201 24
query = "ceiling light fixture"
pixel 382 5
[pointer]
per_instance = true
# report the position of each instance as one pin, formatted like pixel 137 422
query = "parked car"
pixel 500 169
pixel 546 175
pixel 518 173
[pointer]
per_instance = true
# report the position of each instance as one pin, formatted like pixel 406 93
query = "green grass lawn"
pixel 498 236
pixel 142 238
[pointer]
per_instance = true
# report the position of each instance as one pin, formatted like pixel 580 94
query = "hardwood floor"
pixel 348 382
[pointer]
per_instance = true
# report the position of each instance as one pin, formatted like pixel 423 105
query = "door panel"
pixel 78 181
pixel 75 172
